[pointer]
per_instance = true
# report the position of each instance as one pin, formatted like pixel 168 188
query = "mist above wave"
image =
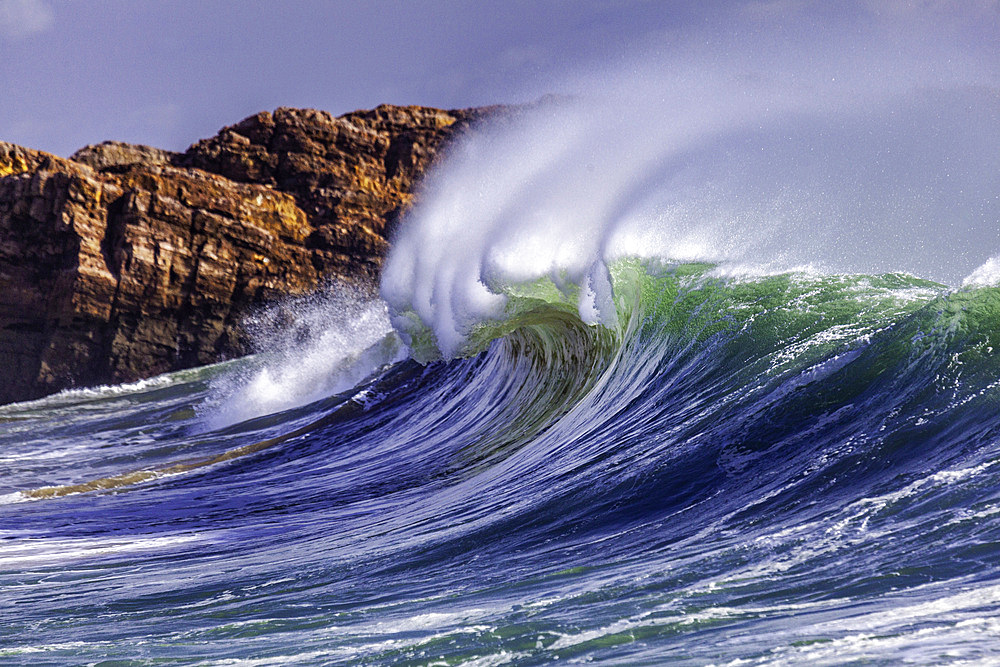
pixel 844 154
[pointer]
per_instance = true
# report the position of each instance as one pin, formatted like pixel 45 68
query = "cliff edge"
pixel 127 261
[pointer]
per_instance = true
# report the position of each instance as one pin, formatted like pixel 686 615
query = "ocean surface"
pixel 790 469
pixel 705 387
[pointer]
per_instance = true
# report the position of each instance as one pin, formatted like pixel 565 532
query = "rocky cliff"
pixel 127 261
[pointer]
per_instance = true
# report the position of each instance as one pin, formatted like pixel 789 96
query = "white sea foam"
pixel 986 275
pixel 955 631
pixel 72 396
pixel 11 498
pixel 309 350
pixel 39 551
pixel 798 156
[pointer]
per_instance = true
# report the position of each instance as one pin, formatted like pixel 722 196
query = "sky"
pixel 169 73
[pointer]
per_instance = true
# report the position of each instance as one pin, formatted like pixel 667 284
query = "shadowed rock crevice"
pixel 127 261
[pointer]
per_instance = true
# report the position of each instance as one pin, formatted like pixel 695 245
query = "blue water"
pixel 789 469
pixel 698 367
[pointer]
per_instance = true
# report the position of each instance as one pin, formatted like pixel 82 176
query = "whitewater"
pixel 699 364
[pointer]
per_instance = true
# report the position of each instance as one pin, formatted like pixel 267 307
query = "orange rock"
pixel 127 261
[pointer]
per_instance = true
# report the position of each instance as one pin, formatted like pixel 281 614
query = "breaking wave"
pixel 699 365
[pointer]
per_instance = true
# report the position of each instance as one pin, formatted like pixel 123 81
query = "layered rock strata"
pixel 127 261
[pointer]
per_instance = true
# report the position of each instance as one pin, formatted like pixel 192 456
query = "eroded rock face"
pixel 111 154
pixel 127 261
pixel 351 175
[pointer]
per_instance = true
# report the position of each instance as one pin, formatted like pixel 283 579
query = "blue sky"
pixel 169 73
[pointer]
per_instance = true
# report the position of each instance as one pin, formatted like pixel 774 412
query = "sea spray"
pixel 764 162
pixel 987 274
pixel 307 349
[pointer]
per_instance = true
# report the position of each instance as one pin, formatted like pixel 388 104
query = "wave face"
pixel 879 158
pixel 791 468
pixel 715 383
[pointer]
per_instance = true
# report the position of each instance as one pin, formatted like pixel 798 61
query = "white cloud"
pixel 22 18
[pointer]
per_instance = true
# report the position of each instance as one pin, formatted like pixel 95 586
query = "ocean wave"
pixel 713 382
